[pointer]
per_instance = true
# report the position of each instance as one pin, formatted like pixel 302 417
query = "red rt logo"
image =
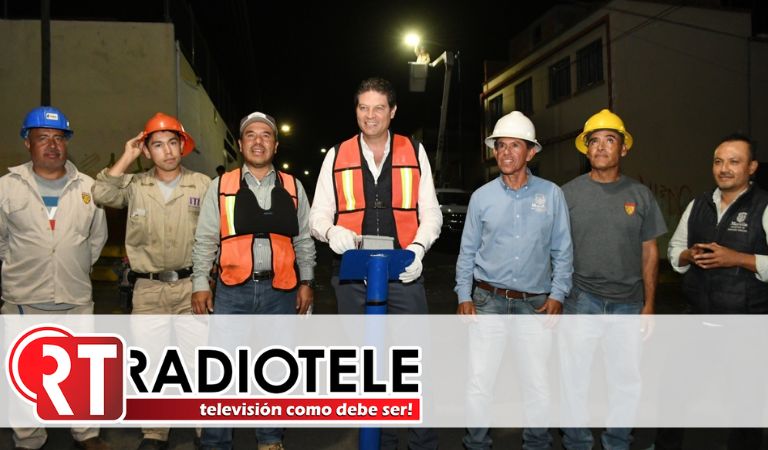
pixel 69 378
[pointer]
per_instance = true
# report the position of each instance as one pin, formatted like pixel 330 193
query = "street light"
pixel 412 39
pixel 285 128
pixel 418 83
pixel 286 166
pixel 306 172
pixel 323 150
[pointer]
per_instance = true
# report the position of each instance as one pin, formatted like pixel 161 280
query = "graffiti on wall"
pixel 672 200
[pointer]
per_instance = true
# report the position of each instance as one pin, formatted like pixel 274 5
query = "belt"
pixel 506 293
pixel 262 275
pixel 167 276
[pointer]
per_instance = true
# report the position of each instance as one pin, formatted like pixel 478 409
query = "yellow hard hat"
pixel 604 120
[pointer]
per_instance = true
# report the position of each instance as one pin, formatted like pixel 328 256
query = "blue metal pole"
pixel 378 285
pixel 375 304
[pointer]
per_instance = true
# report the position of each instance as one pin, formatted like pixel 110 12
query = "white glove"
pixel 341 239
pixel 413 271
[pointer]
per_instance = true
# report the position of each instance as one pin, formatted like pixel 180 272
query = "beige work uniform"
pixel 159 234
pixel 41 265
pixel 159 237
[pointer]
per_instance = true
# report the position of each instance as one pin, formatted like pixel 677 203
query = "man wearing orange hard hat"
pixel 163 207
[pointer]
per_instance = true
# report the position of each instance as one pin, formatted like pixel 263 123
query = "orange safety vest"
pixel 350 194
pixel 236 256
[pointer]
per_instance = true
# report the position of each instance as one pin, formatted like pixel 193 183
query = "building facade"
pixel 681 78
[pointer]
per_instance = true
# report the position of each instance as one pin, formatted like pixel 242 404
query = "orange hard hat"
pixel 164 122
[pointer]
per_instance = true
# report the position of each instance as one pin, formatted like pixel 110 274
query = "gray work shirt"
pixel 208 237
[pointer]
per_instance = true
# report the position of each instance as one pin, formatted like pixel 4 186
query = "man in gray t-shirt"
pixel 614 225
pixel 615 221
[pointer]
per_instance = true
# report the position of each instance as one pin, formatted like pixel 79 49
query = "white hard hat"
pixel 514 125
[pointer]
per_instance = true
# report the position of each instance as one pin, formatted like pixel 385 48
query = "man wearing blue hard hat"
pixel 51 233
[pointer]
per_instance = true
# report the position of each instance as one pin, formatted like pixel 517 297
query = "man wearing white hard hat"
pixel 515 258
pixel 615 221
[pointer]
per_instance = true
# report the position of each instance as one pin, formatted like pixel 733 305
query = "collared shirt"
pixel 208 238
pixel 324 202
pixel 679 241
pixel 159 233
pixel 516 239
pixel 44 265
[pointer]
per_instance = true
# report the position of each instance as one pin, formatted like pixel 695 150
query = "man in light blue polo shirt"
pixel 516 257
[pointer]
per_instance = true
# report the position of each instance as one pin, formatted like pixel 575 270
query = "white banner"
pixel 436 371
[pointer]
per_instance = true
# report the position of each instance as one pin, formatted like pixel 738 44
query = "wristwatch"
pixel 310 283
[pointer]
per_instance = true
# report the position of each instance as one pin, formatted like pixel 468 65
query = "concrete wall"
pixel 109 78
pixel 200 117
pixel 680 89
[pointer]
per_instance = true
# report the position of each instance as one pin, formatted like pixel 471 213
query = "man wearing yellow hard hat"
pixel 615 221
pixel 163 207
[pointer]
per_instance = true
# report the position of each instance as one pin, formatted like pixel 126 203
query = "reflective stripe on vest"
pixel 349 187
pixel 236 256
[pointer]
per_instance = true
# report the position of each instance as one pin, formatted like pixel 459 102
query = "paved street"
pixel 439 271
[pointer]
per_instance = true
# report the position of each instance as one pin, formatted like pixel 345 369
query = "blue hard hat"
pixel 46 117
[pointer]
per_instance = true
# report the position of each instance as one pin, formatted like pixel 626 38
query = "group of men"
pixel 254 223
pixel 528 246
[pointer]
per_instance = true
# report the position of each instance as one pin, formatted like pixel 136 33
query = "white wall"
pixel 109 78
pixel 200 117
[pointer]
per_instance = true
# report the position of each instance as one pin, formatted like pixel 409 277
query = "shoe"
pixel 272 446
pixel 153 444
pixel 94 443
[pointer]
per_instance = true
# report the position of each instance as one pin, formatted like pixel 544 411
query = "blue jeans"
pixel 253 297
pixel 531 343
pixel 621 344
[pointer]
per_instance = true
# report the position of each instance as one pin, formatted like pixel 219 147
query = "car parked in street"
pixel 453 205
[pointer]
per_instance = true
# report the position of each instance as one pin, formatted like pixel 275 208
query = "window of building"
pixel 560 80
pixel 524 97
pixel 496 108
pixel 495 111
pixel 589 65
pixel 536 36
